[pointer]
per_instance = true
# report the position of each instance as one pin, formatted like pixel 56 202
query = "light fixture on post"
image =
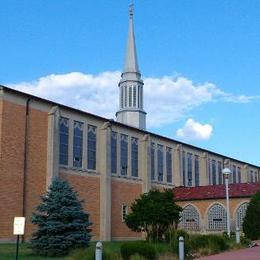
pixel 226 173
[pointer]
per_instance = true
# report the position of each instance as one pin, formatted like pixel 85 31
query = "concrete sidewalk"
pixel 242 254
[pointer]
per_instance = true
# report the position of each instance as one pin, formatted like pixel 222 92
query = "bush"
pixel 140 248
pixel 209 243
pixel 245 241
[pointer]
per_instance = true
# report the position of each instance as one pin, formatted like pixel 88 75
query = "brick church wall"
pixel 12 165
pixel 122 193
pixel 88 190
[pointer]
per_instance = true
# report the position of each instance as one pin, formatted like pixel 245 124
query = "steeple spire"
pixel 131 110
pixel 131 64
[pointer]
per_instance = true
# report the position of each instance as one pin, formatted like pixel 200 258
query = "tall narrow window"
pixel 251 176
pixel 239 174
pixel 121 97
pixel 134 156
pixel 169 164
pixel 189 158
pixel 209 172
pixel 77 144
pixel 214 172
pixel 114 152
pixel 197 171
pixel 92 147
pixel 234 174
pixel 130 96
pixel 160 162
pixel 125 90
pixel 123 154
pixel 183 169
pixel 134 96
pixel 141 97
pixel 138 95
pixel 152 161
pixel 220 175
pixel 124 212
pixel 64 140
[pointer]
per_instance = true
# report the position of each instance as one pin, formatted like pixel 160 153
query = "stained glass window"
pixel 169 164
pixel 92 147
pixel 239 174
pixel 152 161
pixel 134 156
pixel 160 162
pixel 234 174
pixel 220 175
pixel 64 140
pixel 123 153
pixel 114 152
pixel 183 169
pixel 77 144
pixel 214 172
pixel 189 158
pixel 197 171
pixel 209 172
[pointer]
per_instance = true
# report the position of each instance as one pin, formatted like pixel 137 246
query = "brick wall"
pixel 88 190
pixel 122 193
pixel 12 165
pixel 36 163
pixel 11 173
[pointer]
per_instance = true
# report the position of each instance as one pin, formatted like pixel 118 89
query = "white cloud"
pixel 167 99
pixel 193 131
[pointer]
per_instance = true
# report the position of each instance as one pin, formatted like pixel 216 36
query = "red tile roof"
pixel 237 190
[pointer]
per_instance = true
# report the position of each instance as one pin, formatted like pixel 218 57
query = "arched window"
pixel 240 214
pixel 217 217
pixel 190 218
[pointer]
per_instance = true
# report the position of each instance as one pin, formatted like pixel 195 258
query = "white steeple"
pixel 131 85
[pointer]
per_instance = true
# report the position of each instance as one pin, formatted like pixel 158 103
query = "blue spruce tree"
pixel 62 223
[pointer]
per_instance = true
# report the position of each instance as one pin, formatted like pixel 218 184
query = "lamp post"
pixel 226 172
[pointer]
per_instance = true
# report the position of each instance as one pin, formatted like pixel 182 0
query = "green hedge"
pixel 141 248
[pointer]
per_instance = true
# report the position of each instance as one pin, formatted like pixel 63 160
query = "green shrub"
pixel 244 241
pixel 209 243
pixel 140 248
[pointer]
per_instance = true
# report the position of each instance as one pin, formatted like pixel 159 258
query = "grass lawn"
pixel 7 251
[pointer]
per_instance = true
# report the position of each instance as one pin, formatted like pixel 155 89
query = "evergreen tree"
pixel 251 224
pixel 155 213
pixel 62 223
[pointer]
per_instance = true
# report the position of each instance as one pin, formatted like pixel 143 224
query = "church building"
pixel 110 163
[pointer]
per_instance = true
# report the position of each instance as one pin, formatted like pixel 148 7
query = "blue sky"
pixel 204 54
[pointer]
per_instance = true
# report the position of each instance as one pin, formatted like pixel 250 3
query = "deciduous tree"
pixel 155 213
